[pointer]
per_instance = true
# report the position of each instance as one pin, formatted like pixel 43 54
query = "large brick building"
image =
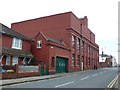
pixel 63 42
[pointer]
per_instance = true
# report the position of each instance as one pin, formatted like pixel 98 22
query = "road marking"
pixel 113 82
pixel 75 74
pixel 104 71
pixel 101 73
pixel 84 78
pixel 94 75
pixel 64 84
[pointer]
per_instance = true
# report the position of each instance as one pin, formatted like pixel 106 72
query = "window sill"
pixel 39 47
pixel 16 48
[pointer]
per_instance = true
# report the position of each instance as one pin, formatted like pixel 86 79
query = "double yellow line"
pixel 113 82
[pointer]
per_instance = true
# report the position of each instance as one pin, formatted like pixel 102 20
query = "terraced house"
pixel 15 48
pixel 63 42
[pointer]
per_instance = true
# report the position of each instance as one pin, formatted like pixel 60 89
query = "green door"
pixel 61 65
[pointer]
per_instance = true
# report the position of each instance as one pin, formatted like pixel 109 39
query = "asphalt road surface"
pixel 83 79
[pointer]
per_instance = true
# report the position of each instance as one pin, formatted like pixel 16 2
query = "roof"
pixel 8 31
pixel 102 59
pixel 56 41
pixel 51 39
pixel 69 12
pixel 16 52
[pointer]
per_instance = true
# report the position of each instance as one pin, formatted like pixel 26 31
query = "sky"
pixel 102 16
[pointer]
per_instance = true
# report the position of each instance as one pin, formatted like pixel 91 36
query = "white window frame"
pixel 19 42
pixel 8 60
pixel 14 60
pixel 39 44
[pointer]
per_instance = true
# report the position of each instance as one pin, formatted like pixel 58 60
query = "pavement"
pixel 30 79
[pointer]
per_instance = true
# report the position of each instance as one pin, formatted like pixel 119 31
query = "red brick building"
pixel 105 61
pixel 62 41
pixel 15 48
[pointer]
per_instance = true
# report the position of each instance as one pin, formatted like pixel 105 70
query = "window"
pixel 78 43
pixel 52 61
pixel 86 61
pixel 82 42
pixel 39 44
pixel 86 47
pixel 89 49
pixel 73 59
pixel 73 41
pixel 8 60
pixel 14 60
pixel 79 60
pixel 17 43
pixel 89 61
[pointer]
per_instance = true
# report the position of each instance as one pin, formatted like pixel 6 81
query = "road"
pixel 83 79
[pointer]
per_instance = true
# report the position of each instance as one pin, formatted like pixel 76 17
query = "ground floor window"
pixel 7 60
pixel 73 59
pixel 78 60
pixel 52 61
pixel 14 60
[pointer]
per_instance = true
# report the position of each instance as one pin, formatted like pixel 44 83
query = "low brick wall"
pixel 7 75
pixel 9 67
pixel 28 74
pixel 17 74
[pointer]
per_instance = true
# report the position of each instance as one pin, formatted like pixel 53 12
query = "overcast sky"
pixel 102 16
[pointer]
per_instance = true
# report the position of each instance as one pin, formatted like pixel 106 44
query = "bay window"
pixel 14 60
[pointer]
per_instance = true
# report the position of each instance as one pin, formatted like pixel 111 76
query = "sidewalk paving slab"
pixel 30 79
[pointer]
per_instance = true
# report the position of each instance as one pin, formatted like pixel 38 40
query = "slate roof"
pixel 19 53
pixel 56 41
pixel 8 31
pixel 51 39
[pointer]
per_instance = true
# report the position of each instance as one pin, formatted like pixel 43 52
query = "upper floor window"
pixel 86 47
pixel 39 44
pixel 89 49
pixel 17 43
pixel 78 43
pixel 73 41
pixel 79 60
pixel 82 44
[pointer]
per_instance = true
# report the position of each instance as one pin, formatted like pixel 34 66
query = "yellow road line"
pixel 113 82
